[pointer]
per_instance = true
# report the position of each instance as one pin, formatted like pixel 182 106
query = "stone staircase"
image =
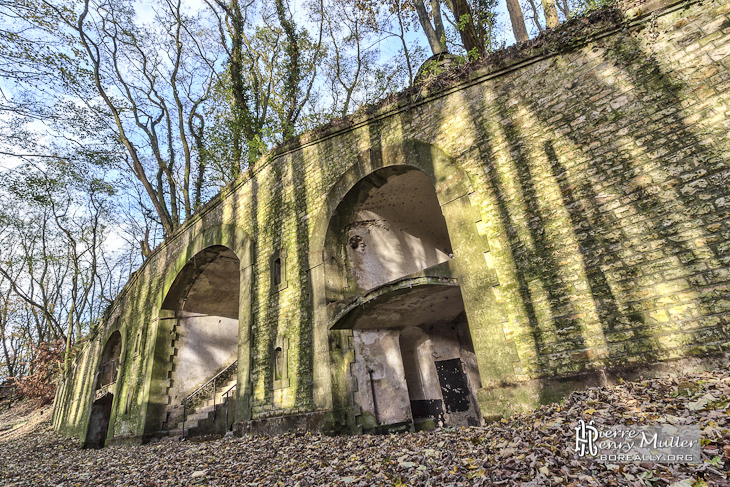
pixel 209 417
pixel 210 409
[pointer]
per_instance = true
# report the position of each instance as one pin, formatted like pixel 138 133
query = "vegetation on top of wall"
pixel 600 18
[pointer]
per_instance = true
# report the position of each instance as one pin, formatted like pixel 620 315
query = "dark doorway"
pixel 454 388
pixel 101 412
pixel 422 386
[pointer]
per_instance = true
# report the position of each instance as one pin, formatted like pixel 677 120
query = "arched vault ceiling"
pixel 420 305
pixel 209 284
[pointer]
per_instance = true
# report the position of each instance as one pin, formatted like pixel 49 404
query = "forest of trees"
pixel 118 119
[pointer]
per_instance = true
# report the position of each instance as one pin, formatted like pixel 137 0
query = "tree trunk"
pixel 293 71
pixel 467 31
pixel 551 13
pixel 518 21
pixel 428 29
pixel 438 22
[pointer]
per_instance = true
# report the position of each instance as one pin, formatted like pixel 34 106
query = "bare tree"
pixel 14 338
pixel 56 218
pixel 152 84
pixel 435 33
pixel 387 20
pixel 517 20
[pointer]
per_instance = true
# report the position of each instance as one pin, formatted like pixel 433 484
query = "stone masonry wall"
pixel 599 184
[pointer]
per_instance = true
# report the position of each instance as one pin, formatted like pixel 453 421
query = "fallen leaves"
pixel 534 449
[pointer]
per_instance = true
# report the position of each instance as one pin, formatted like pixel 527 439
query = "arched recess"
pixel 105 381
pixel 108 369
pixel 389 225
pixel 204 299
pixel 393 181
pixel 201 322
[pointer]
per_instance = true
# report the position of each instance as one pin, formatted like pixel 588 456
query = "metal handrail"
pixel 229 390
pixel 199 391
pixel 228 403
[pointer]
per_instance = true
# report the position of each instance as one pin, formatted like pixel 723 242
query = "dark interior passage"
pixel 99 419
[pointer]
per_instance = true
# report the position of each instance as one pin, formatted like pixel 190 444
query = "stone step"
pixel 219 399
pixel 220 390
pixel 208 406
pixel 190 424
pixel 203 409
pixel 196 416
pixel 201 413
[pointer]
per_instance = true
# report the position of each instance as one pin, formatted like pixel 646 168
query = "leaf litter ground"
pixel 535 449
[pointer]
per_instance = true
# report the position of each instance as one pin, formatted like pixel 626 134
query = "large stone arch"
pixel 451 182
pixel 107 393
pixel 163 319
pixel 231 236
pixel 333 384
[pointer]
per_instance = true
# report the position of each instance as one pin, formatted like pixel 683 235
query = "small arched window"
pixel 278 363
pixel 277 264
pixel 276 272
pixel 109 365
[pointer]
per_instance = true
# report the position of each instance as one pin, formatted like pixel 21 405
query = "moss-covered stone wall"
pixel 585 194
